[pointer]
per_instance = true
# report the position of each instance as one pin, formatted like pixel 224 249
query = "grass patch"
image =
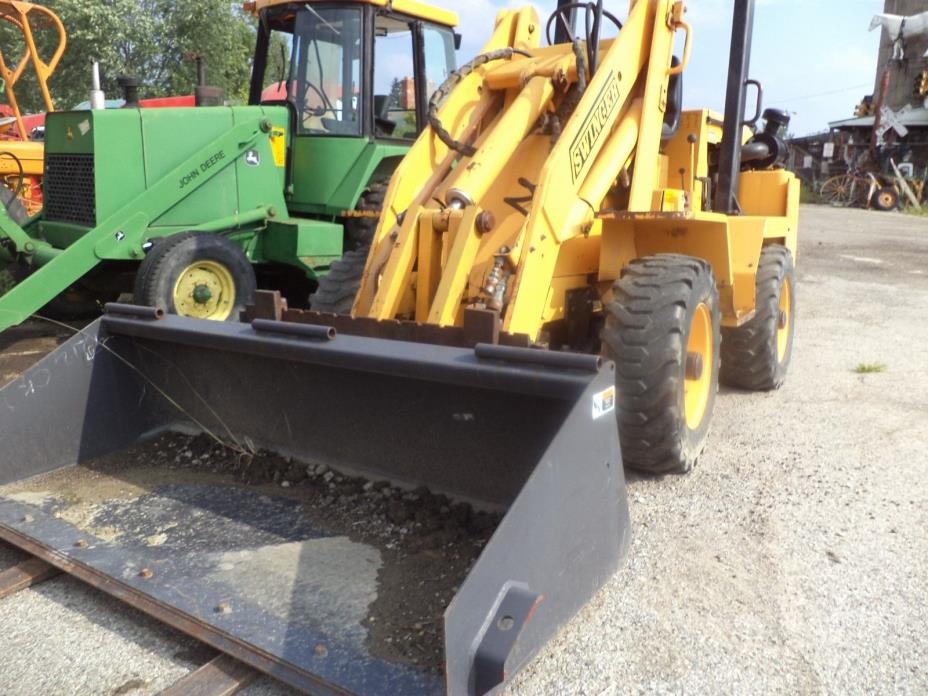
pixel 869 368
pixel 909 210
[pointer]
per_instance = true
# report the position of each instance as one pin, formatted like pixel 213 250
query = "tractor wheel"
pixel 886 199
pixel 359 231
pixel 196 274
pixel 338 287
pixel 756 355
pixel 662 331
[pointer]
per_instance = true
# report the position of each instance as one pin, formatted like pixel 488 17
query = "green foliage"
pixel 869 368
pixel 147 39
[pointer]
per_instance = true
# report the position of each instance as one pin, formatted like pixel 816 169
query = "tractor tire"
pixel 662 331
pixel 756 355
pixel 359 231
pixel 886 199
pixel 337 288
pixel 196 274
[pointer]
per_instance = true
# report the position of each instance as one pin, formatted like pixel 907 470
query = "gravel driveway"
pixel 794 559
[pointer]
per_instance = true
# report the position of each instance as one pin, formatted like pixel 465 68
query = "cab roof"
pixel 413 8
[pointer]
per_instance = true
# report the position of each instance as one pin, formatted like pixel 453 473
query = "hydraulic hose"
pixel 453 80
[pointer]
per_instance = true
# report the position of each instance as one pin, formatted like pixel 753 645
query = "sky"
pixel 815 58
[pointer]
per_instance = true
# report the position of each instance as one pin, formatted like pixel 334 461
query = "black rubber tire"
pixel 14 207
pixel 359 231
pixel 74 303
pixel 337 288
pixel 646 334
pixel 749 352
pixel 886 199
pixel 168 257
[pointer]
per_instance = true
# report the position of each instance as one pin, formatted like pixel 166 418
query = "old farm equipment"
pixel 469 375
pixel 21 155
pixel 191 208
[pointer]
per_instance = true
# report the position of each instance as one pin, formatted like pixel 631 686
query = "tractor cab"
pixel 357 77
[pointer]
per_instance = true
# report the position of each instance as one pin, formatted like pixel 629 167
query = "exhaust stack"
pixel 739 64
pixel 97 97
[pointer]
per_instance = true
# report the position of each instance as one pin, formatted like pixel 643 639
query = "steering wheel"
pixel 564 14
pixel 317 111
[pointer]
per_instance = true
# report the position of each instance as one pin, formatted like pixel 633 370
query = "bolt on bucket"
pixel 347 514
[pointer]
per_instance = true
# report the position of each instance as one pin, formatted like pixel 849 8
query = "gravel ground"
pixel 792 560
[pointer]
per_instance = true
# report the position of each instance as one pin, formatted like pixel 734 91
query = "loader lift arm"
pixel 499 106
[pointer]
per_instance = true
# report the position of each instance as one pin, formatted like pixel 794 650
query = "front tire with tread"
pixel 647 334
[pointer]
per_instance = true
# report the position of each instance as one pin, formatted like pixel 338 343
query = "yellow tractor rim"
pixel 784 319
pixel 697 385
pixel 205 290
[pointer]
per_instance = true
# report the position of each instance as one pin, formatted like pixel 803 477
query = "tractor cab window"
pixel 313 60
pixel 394 79
pixel 325 84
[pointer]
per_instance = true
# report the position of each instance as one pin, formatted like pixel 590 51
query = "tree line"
pixel 152 40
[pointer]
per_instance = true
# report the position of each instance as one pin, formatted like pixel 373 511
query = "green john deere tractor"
pixel 189 208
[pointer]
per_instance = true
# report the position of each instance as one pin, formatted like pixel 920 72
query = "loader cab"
pixel 356 77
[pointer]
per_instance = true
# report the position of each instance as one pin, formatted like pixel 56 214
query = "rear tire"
pixel 756 355
pixel 359 231
pixel 337 288
pixel 664 314
pixel 196 274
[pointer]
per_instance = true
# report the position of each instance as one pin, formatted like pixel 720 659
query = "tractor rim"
pixel 697 384
pixel 886 200
pixel 784 319
pixel 205 290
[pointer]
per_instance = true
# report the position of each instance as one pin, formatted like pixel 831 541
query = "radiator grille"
pixel 70 195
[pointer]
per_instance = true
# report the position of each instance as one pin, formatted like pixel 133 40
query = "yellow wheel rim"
pixel 784 320
pixel 697 385
pixel 205 290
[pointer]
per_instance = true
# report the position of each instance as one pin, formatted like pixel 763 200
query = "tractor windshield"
pixel 314 62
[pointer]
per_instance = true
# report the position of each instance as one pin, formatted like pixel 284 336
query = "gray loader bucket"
pixel 423 521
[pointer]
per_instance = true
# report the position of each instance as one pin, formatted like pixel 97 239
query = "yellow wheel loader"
pixel 417 496
pixel 564 198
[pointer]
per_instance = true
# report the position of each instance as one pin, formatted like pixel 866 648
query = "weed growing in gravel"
pixel 869 368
